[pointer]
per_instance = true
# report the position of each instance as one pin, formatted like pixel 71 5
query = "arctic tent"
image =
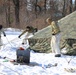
pixel 40 42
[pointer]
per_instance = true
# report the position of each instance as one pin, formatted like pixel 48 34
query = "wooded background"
pixel 21 13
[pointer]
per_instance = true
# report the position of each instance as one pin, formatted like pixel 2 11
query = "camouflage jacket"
pixel 55 28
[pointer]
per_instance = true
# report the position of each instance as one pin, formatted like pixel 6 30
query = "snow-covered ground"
pixel 39 61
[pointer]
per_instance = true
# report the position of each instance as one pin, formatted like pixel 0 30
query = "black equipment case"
pixel 23 56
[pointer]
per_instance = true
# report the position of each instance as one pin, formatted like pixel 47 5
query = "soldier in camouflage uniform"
pixel 29 32
pixel 1 31
pixel 55 40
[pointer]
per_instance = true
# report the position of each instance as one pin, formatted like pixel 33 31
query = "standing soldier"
pixel 55 40
pixel 1 31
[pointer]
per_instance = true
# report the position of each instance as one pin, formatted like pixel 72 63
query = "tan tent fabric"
pixel 68 26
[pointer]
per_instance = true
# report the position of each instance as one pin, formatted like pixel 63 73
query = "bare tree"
pixel 75 6
pixel 70 7
pixel 64 8
pixel 17 8
pixel 7 12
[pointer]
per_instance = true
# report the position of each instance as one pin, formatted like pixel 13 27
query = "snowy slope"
pixel 39 61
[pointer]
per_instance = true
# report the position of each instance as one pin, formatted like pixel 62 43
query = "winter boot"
pixel 58 55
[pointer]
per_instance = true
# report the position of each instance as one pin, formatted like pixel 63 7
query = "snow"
pixel 39 61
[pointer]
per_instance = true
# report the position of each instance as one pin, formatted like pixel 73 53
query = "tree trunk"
pixel 45 6
pixel 16 3
pixel 70 8
pixel 75 6
pixel 7 12
pixel 64 9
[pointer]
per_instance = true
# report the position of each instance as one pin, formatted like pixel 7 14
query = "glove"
pixel 18 36
pixel 5 35
pixel 22 43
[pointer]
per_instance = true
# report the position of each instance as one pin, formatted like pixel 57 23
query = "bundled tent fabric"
pixel 70 45
pixel 41 40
